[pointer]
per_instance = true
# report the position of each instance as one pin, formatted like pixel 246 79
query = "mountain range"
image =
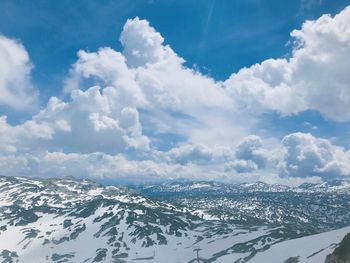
pixel 71 220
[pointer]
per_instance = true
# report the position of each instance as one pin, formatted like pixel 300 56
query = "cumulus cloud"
pixel 88 122
pixel 118 106
pixel 150 77
pixel 16 90
pixel 144 45
pixel 197 153
pixel 114 105
pixel 250 155
pixel 243 166
pixel 105 67
pixel 315 77
pixel 251 148
pixel 307 156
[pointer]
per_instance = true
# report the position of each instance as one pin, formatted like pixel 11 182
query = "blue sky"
pixel 220 37
pixel 186 116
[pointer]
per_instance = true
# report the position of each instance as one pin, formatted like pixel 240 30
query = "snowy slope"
pixel 69 220
pixel 310 249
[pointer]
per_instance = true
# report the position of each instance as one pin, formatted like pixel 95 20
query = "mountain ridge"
pixel 69 220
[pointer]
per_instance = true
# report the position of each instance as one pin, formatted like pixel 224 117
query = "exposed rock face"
pixel 342 253
pixel 292 260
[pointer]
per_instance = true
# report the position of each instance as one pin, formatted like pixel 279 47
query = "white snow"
pixel 304 247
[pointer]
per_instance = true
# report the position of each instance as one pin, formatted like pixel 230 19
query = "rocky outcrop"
pixel 342 253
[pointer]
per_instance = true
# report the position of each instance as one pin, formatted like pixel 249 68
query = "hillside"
pixel 69 220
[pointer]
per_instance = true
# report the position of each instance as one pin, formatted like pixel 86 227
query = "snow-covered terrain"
pixel 310 249
pixel 309 208
pixel 69 220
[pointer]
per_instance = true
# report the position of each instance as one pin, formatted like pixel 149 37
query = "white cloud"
pixel 307 156
pixel 117 105
pixel 151 78
pixel 86 123
pixel 144 45
pixel 16 90
pixel 106 67
pixel 250 155
pixel 299 155
pixel 102 166
pixel 315 77
pixel 197 153
pixel 243 166
pixel 146 85
pixel 251 148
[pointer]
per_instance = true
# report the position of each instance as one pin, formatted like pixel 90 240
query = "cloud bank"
pixel 141 115
pixel 315 77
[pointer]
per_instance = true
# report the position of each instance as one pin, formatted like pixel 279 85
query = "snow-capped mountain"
pixel 217 188
pixel 309 208
pixel 69 220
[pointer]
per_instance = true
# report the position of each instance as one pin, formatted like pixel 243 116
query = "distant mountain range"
pixel 309 208
pixel 69 220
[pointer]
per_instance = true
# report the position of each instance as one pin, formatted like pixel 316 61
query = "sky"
pixel 147 91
